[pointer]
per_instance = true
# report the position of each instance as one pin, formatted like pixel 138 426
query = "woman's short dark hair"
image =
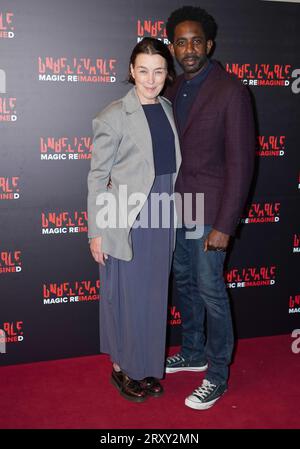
pixel 152 46
pixel 194 14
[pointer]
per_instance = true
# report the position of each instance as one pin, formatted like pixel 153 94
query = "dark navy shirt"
pixel 187 94
pixel 163 142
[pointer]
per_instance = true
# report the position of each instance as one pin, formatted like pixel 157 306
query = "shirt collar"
pixel 196 80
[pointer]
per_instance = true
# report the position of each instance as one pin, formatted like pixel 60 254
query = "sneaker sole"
pixel 198 369
pixel 201 405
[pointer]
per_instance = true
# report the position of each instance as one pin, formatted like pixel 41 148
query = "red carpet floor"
pixel 264 392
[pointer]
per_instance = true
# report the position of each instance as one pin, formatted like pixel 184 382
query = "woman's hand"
pixel 95 246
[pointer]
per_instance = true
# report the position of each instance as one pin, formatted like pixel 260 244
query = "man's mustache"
pixel 191 57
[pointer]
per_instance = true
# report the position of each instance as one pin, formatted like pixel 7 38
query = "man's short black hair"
pixel 195 14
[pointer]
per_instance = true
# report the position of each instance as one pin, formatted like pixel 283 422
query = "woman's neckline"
pixel 151 104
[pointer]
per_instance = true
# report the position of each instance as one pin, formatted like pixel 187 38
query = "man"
pixel 214 117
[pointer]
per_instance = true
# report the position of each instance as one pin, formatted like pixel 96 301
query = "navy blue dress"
pixel 134 294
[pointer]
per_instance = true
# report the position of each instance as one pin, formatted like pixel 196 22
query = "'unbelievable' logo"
pixel 262 74
pixel 64 222
pixel 251 277
pixel 262 213
pixel 271 146
pixel 6 25
pixel 10 262
pixel 13 331
pixel 7 104
pixel 9 188
pixel 8 109
pixel 82 70
pixel 152 28
pixel 296 243
pixel 70 292
pixel 294 304
pixel 174 318
pixel 62 148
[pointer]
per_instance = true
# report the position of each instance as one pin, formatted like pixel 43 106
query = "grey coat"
pixel 122 152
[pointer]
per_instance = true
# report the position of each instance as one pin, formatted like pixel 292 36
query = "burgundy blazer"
pixel 218 147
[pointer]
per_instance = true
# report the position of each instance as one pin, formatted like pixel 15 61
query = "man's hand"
pixel 95 246
pixel 216 241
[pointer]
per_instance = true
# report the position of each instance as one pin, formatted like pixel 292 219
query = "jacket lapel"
pixel 139 129
pixel 138 126
pixel 177 88
pixel 204 94
pixel 167 107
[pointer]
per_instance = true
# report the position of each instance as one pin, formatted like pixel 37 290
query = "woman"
pixel 135 153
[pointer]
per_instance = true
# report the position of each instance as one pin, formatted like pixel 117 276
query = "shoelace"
pixel 175 358
pixel 206 388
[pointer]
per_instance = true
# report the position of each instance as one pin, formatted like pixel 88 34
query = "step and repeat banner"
pixel 63 61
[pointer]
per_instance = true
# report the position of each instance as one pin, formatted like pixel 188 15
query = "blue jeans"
pixel 202 294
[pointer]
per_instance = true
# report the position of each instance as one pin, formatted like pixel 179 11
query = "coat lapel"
pixel 167 107
pixel 180 80
pixel 203 96
pixel 138 126
pixel 139 129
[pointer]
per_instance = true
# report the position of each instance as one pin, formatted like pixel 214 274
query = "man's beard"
pixel 199 62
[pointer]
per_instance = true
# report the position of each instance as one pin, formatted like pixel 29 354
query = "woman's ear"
pixel 132 71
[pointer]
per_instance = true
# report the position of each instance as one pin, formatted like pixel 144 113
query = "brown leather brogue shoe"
pixel 129 388
pixel 152 386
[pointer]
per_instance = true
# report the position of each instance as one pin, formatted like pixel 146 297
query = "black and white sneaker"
pixel 205 396
pixel 177 363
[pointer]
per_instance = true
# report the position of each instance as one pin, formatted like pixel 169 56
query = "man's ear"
pixel 209 45
pixel 171 48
